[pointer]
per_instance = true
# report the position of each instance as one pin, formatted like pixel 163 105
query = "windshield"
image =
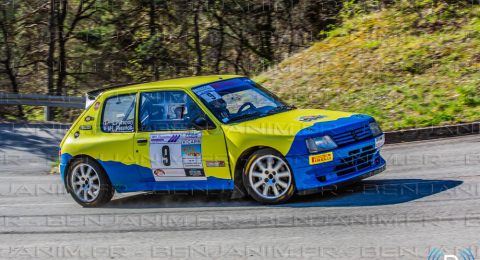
pixel 239 99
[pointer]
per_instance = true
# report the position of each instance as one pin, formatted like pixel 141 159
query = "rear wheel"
pixel 88 183
pixel 268 178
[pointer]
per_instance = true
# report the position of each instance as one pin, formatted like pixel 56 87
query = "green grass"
pixel 32 114
pixel 55 165
pixel 409 66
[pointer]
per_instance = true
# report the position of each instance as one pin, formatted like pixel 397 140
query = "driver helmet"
pixel 219 104
pixel 221 107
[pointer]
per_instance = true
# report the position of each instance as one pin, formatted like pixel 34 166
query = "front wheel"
pixel 88 183
pixel 268 178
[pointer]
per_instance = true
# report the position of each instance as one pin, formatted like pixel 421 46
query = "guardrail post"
pixel 47 114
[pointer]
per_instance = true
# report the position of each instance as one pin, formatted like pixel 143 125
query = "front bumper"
pixel 350 163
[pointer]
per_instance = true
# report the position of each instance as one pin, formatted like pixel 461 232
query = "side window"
pixel 119 114
pixel 167 110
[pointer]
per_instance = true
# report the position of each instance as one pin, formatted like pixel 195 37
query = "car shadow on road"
pixel 366 193
pixel 179 200
pixel 376 193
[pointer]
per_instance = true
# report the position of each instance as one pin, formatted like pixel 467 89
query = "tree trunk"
pixel 62 55
pixel 6 28
pixel 153 35
pixel 12 75
pixel 290 29
pixel 51 54
pixel 198 47
pixel 239 57
pixel 218 59
pixel 266 31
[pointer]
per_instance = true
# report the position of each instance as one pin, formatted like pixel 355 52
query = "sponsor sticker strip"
pixel 176 156
pixel 321 158
pixel 208 93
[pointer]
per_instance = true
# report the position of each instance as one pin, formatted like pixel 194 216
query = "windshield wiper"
pixel 244 116
pixel 258 114
pixel 280 109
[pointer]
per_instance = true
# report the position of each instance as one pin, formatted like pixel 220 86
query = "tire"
pixel 268 177
pixel 88 183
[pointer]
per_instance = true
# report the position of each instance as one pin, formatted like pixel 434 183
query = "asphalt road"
pixel 428 198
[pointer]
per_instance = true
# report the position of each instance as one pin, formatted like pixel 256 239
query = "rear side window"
pixel 119 114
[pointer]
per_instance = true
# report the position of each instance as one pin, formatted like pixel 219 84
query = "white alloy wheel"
pixel 85 182
pixel 270 177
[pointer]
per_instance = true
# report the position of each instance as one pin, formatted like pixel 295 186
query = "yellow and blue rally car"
pixel 212 133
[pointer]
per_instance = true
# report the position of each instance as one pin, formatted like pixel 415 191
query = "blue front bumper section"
pixel 350 164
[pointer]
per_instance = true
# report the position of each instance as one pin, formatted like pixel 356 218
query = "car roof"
pixel 183 83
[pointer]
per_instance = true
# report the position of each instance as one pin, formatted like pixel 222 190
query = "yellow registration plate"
pixel 321 158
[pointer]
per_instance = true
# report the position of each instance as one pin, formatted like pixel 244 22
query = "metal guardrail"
pixel 42 100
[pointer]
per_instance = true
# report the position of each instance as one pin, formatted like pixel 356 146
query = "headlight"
pixel 319 144
pixel 375 129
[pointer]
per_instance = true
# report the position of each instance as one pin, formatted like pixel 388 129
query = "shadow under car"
pixel 365 193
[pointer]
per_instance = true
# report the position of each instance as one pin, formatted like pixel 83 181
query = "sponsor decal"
pixel 194 172
pixel 215 163
pixel 321 158
pixel 177 156
pixel 158 172
pixel 310 118
pixel 119 126
pixel 208 93
pixel 88 118
pixel 192 155
pixel 174 138
pixel 96 106
pixel 85 127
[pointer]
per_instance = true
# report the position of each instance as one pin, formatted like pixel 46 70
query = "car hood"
pixel 298 124
pixel 306 122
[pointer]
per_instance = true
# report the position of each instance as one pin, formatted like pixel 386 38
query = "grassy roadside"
pixel 55 169
pixel 409 66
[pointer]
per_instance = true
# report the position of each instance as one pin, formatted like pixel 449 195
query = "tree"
pixel 53 8
pixel 85 9
pixel 7 20
pixel 69 46
pixel 196 36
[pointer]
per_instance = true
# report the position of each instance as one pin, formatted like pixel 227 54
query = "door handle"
pixel 142 141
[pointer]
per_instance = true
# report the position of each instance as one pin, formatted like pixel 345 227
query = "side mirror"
pixel 203 123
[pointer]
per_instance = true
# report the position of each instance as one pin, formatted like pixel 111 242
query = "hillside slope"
pixel 409 66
